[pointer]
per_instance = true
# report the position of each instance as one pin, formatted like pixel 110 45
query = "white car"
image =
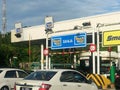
pixel 55 79
pixel 8 77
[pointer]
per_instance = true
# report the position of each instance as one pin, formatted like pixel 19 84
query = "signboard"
pixel 92 47
pixel 18 27
pixel 111 38
pixel 48 22
pixel 46 52
pixel 68 41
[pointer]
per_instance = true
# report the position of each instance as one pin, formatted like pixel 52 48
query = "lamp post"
pixel 48 28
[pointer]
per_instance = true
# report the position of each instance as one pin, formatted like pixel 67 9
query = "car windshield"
pixel 41 75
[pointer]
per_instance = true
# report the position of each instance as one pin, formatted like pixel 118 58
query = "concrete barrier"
pixel 100 80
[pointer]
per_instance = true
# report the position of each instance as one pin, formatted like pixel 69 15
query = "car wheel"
pixel 5 88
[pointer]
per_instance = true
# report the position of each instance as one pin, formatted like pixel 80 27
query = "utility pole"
pixel 3 18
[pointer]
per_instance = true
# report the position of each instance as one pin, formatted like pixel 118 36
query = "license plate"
pixel 25 88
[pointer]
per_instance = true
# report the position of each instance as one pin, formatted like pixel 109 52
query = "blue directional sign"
pixel 69 41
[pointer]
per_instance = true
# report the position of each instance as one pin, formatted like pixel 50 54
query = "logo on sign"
pixel 57 42
pixel 18 30
pixel 49 25
pixel 79 39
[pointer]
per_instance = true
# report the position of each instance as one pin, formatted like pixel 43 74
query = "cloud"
pixel 33 12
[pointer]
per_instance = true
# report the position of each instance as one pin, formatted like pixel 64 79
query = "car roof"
pixel 9 69
pixel 56 70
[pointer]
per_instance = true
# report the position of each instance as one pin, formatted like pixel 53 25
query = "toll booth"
pixel 85 62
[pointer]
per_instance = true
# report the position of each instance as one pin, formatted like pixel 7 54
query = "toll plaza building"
pixel 103 31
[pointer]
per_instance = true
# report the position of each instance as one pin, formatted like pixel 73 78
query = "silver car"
pixel 55 79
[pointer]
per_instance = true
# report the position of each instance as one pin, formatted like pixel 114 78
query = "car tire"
pixel 5 88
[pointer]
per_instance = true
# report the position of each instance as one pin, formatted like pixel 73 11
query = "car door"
pixel 81 83
pixel 67 81
pixel 72 80
pixel 11 77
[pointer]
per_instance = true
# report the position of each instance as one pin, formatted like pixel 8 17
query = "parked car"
pixel 8 77
pixel 55 79
pixel 117 80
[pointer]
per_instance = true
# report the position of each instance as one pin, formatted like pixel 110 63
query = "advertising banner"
pixel 111 38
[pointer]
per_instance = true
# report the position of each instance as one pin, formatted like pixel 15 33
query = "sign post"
pixel 92 49
pixel 48 28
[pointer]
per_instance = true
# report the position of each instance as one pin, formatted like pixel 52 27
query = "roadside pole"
pixel 42 57
pixel 47 49
pixel 93 53
pixel 98 47
pixel 92 49
pixel 118 56
pixel 48 28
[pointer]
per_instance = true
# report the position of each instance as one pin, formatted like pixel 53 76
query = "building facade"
pixel 92 25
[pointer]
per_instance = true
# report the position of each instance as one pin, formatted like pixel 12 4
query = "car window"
pixel 79 78
pixel 67 77
pixel 22 74
pixel 71 76
pixel 11 74
pixel 41 75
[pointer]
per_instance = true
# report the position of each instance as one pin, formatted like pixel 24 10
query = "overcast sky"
pixel 33 12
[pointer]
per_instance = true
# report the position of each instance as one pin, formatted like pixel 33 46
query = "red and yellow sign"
pixel 111 38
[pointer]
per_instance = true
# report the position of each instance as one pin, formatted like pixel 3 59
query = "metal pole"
pixel 48 27
pixel 75 62
pixel 118 56
pixel 47 48
pixel 42 57
pixel 93 54
pixel 98 51
pixel 49 62
pixel 29 49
